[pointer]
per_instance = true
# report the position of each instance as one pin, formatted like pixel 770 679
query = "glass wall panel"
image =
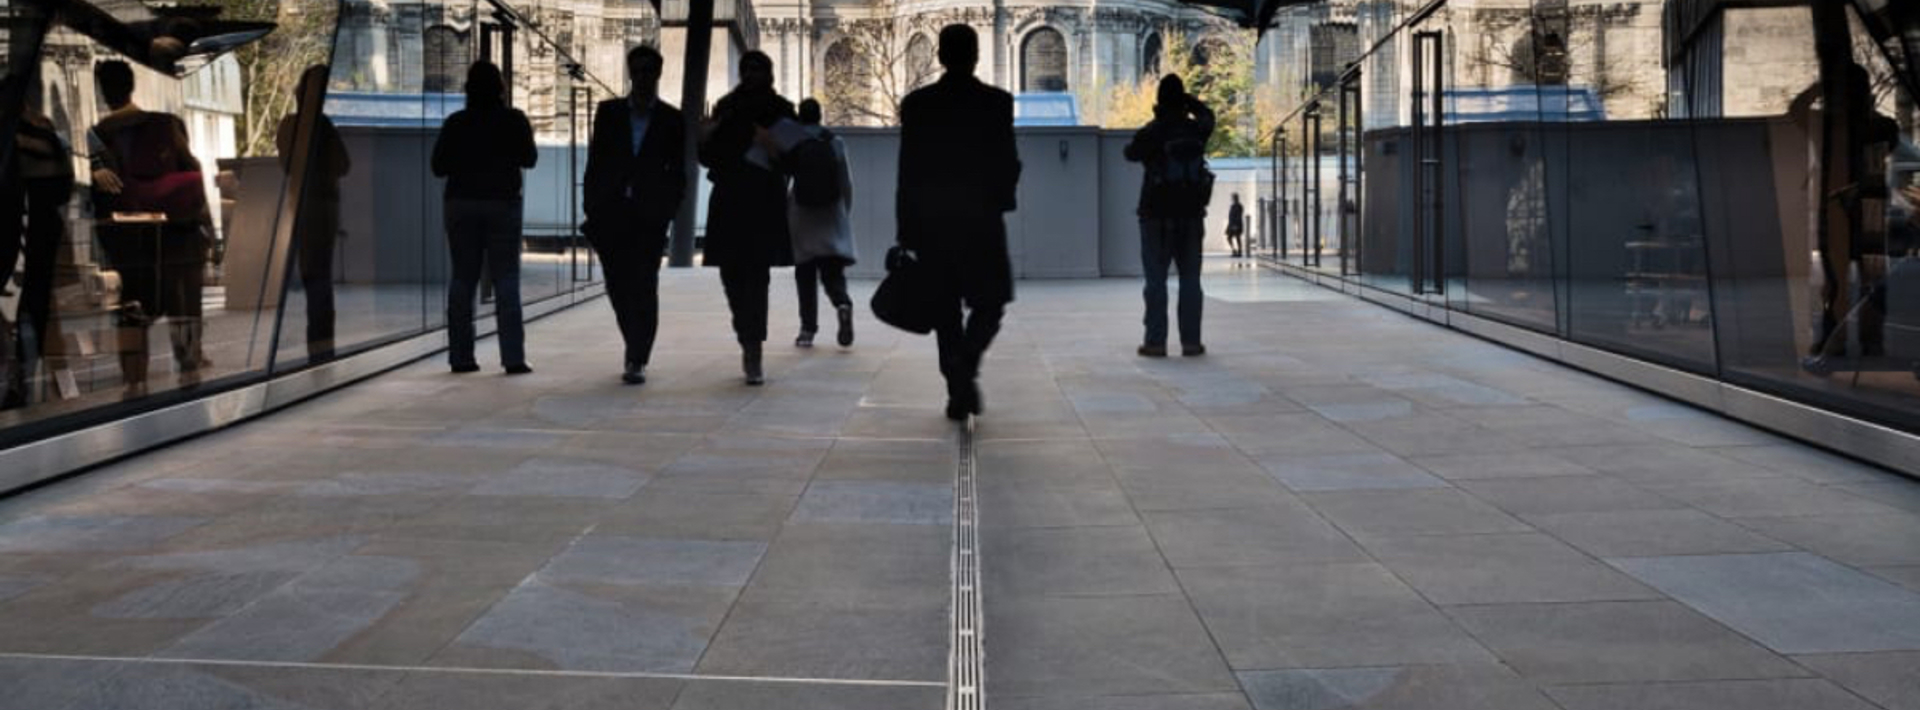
pixel 142 239
pixel 253 194
pixel 1815 275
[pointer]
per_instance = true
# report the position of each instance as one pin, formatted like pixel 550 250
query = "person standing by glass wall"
pixel 747 210
pixel 39 184
pixel 319 225
pixel 151 218
pixel 481 150
pixel 1173 210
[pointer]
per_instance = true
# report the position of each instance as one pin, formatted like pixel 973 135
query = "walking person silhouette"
pixel 747 210
pixel 635 180
pixel 822 225
pixel 959 169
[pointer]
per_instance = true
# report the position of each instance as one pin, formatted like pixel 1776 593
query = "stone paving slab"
pixel 1338 507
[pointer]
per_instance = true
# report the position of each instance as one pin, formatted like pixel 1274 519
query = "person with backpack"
pixel 1172 210
pixel 819 216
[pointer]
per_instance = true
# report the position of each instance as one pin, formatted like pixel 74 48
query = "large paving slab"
pixel 1338 507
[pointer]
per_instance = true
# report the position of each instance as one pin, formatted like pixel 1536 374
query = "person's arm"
pixel 182 146
pixel 907 180
pixel 596 172
pixel 442 162
pixel 846 173
pixel 674 179
pixel 529 153
pixel 1143 141
pixel 1203 116
pixel 1008 153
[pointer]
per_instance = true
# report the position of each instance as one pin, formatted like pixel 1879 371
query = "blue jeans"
pixel 1166 242
pixel 484 232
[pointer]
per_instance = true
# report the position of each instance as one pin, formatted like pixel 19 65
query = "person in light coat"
pixel 823 242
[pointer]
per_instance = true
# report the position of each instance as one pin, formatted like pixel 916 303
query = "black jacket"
pixel 625 190
pixel 959 172
pixel 747 210
pixel 481 151
pixel 1148 147
pixel 957 154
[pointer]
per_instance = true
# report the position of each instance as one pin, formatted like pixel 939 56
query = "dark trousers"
pixel 319 227
pixel 1165 242
pixel 41 202
pixel 484 232
pixel 631 261
pixel 162 272
pixel 964 334
pixel 746 287
pixel 807 277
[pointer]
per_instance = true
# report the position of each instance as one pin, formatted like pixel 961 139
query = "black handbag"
pixel 904 299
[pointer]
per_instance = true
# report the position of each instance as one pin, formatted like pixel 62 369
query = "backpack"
pixel 1180 181
pixel 816 171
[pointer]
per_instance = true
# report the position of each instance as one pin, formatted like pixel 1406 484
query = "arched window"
pixel 1150 56
pixel 920 61
pixel 1043 61
pixel 847 86
pixel 1205 50
pixel 446 59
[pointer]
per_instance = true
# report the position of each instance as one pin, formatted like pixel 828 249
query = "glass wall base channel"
pixel 1847 436
pixel 51 458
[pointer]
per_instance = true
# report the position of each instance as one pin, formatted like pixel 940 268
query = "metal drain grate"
pixel 966 670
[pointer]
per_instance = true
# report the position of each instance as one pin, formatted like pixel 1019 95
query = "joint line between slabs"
pixel 531 672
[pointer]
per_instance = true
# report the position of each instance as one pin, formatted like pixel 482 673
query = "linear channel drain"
pixel 966 670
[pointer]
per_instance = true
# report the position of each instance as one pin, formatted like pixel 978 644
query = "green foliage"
pixel 1220 74
pixel 270 68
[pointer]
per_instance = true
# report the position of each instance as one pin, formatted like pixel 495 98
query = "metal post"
pixel 693 99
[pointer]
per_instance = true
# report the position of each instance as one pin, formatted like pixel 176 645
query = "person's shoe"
pixel 846 326
pixel 750 364
pixel 1195 350
pixel 635 374
pixel 964 402
pixel 520 369
pixel 1152 351
pixel 805 339
pixel 465 368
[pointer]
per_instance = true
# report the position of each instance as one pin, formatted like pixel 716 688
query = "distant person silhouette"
pixel 747 210
pixel 1173 209
pixel 636 178
pixel 319 215
pixel 481 150
pixel 822 233
pixel 151 219
pixel 959 169
pixel 1236 226
pixel 38 184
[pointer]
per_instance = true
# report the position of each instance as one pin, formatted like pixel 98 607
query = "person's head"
pixel 311 80
pixel 1172 92
pixel 810 112
pixel 756 70
pixel 644 65
pixel 485 87
pixel 959 49
pixel 116 82
pixel 1236 198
